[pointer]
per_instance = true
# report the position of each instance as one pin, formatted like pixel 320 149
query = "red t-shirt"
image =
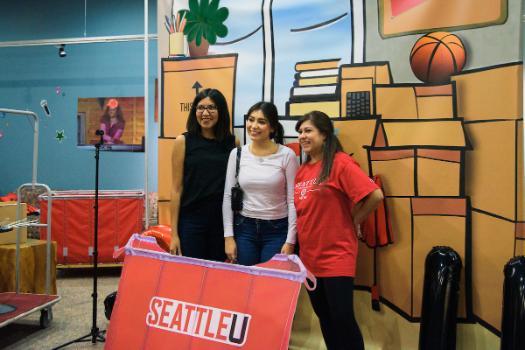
pixel 327 239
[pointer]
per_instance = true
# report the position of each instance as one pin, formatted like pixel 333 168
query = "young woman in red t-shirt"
pixel 332 198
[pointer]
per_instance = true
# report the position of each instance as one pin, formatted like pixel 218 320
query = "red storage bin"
pixel 175 302
pixel 120 215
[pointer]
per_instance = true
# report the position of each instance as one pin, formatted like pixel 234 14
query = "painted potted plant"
pixel 204 23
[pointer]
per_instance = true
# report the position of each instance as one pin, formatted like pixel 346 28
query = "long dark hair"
pixel 331 143
pixel 221 130
pixel 106 118
pixel 269 111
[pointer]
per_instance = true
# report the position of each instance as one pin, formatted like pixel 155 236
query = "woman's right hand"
pixel 175 245
pixel 230 247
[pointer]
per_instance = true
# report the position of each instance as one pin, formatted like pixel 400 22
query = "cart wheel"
pixel 46 316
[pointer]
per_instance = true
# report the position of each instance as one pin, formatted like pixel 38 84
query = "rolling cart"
pixel 16 305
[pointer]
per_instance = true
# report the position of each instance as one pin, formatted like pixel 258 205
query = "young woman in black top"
pixel 200 157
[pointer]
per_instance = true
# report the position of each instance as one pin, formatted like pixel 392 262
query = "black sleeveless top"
pixel 205 163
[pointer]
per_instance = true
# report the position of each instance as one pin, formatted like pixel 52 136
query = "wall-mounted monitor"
pixel 121 119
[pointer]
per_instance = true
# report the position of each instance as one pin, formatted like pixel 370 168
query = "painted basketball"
pixel 436 56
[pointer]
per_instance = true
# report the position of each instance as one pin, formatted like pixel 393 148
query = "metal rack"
pixel 28 302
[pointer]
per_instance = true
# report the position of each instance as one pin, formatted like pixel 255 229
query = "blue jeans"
pixel 258 240
pixel 201 232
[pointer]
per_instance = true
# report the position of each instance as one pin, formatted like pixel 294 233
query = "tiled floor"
pixel 72 316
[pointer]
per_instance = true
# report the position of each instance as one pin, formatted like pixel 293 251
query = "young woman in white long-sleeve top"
pixel 266 224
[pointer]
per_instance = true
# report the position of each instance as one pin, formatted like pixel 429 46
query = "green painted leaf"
pixel 201 31
pixel 221 14
pixel 198 35
pixel 210 35
pixel 191 33
pixel 189 27
pixel 190 17
pixel 221 30
pixel 194 6
pixel 205 19
pixel 203 8
pixel 214 5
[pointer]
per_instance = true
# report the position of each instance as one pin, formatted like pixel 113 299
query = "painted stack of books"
pixel 316 87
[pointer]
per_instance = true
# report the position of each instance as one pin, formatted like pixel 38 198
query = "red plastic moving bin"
pixel 120 215
pixel 174 302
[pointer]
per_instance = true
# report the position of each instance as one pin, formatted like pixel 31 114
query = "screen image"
pixel 120 118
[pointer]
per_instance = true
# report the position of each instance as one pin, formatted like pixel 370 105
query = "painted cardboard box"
pixel 416 101
pixel 495 167
pixel 490 93
pixel 519 248
pixel 493 244
pixel 421 223
pixel 419 157
pixel 354 134
pixel 165 168
pixel 165 212
pixel 183 78
pixel 360 79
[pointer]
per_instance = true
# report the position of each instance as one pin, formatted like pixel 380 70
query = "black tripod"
pixel 95 334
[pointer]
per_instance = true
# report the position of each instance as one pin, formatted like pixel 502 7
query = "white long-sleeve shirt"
pixel 268 186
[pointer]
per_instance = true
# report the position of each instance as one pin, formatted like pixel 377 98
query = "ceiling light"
pixel 62 51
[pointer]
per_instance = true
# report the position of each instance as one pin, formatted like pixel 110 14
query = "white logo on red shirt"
pixel 303 194
pixel 306 186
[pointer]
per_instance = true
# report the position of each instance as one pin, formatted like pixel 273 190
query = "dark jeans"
pixel 258 240
pixel 201 232
pixel 333 303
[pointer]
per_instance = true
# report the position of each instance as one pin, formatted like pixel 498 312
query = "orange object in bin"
pixel 162 234
pixel 174 302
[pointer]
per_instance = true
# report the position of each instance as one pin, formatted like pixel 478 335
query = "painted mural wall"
pixel 425 95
